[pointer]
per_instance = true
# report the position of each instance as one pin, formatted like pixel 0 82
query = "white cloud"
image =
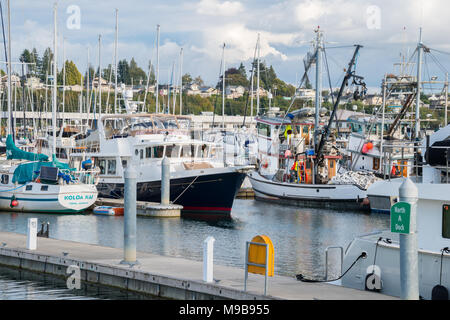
pixel 217 8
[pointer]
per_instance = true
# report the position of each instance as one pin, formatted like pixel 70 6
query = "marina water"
pixel 300 235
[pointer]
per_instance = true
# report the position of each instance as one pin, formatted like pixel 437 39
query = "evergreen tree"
pixel 45 68
pixel 123 72
pixel 73 76
pixel 136 73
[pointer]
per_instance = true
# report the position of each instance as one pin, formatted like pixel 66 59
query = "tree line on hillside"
pixel 130 73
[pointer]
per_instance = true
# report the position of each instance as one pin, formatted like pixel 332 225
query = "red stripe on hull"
pixel 207 208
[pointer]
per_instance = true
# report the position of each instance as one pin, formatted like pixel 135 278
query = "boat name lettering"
pixel 78 197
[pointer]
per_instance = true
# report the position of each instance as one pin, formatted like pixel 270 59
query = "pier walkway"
pixel 162 276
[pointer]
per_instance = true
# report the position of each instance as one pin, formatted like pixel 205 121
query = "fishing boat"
pixel 199 179
pixel 295 167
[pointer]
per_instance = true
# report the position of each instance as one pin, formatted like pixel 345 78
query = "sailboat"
pixel 30 182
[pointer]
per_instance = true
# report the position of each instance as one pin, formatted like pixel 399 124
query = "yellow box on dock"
pixel 257 255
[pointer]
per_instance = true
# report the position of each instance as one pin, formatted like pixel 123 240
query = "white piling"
pixel 129 244
pixel 208 259
pixel 165 181
pixel 32 234
pixel 409 266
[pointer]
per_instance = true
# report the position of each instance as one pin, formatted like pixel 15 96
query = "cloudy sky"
pixel 384 27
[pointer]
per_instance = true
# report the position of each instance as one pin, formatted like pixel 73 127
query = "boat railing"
pixel 404 167
pixel 87 176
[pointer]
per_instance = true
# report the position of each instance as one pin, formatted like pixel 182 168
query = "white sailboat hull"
pixel 57 199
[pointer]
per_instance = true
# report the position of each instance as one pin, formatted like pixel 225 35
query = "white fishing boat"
pixel 294 167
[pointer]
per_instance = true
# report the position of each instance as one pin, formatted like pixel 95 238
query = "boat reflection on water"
pixel 300 236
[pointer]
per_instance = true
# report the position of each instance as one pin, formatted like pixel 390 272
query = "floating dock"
pixel 143 209
pixel 162 276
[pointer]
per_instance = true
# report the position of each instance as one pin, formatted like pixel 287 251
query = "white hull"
pixel 339 195
pixel 57 199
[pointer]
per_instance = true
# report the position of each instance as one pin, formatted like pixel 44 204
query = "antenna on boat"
pixel 318 95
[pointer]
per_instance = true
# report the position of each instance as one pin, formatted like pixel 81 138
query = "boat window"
pixel 263 129
pixel 202 151
pixel 158 152
pixel 187 151
pixel 141 154
pixel 136 152
pixel 148 152
pixel 29 188
pixel 446 221
pixel 124 163
pixel 172 151
pixel 111 166
pixel 102 166
pixel 61 153
pixel 44 188
pixel 5 178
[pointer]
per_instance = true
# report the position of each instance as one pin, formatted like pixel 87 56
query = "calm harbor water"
pixel 300 235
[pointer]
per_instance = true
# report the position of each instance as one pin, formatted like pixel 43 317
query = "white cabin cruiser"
pixel 199 179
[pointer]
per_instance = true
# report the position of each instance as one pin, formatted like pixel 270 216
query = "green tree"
pixel 199 81
pixel 45 66
pixel 187 79
pixel 235 77
pixel 123 72
pixel 135 73
pixel 73 76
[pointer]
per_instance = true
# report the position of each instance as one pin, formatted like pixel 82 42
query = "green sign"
pixel 400 217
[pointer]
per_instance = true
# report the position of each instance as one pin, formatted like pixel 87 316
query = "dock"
pixel 143 208
pixel 162 276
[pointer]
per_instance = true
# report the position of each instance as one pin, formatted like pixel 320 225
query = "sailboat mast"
pixel 157 69
pixel 55 73
pixel 419 80
pixel 9 70
pixel 64 85
pixel 223 87
pixel 115 61
pixel 181 81
pixel 258 77
pixel 99 83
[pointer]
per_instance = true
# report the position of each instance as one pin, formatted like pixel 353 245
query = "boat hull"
pixel 309 195
pixel 204 196
pixel 57 199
